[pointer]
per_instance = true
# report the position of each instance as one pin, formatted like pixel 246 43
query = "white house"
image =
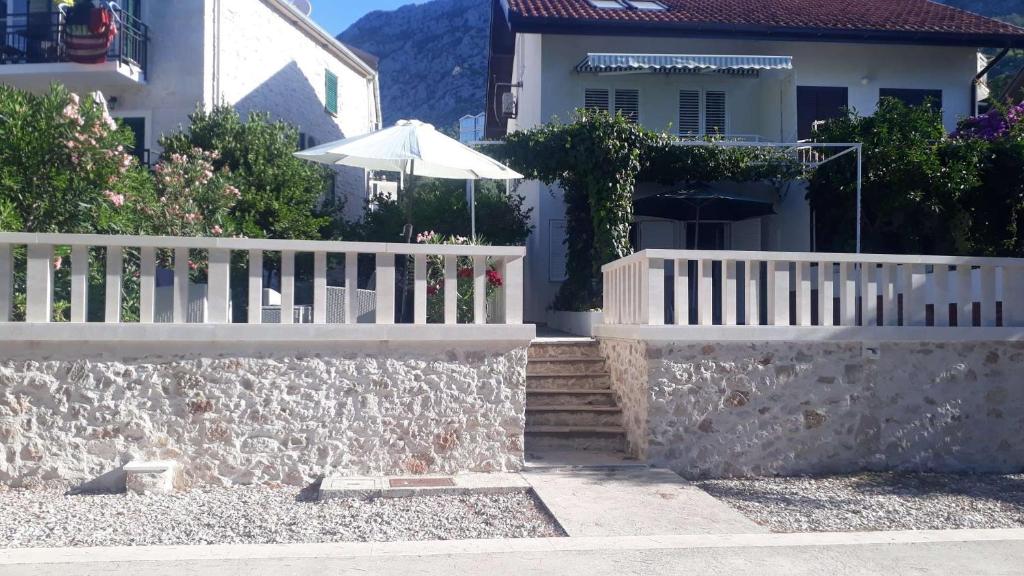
pixel 169 57
pixel 762 70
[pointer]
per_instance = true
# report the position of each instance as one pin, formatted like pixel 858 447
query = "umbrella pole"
pixel 471 185
pixel 696 230
pixel 408 231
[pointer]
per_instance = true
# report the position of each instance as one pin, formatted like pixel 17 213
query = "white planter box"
pixel 578 323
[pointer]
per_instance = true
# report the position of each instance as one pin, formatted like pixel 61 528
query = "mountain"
pixel 433 59
pixel 433 56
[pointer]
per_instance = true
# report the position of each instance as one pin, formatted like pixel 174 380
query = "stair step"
pixel 550 350
pixel 570 397
pixel 557 366
pixel 577 430
pixel 569 375
pixel 568 382
pixel 585 438
pixel 568 359
pixel 573 408
pixel 572 416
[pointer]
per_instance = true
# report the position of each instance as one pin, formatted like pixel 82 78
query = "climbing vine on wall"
pixel 596 160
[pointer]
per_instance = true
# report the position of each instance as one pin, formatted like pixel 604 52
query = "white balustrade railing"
pixel 704 288
pixel 217 252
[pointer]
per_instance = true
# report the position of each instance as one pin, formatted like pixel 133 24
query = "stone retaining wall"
pixel 72 414
pixel 784 408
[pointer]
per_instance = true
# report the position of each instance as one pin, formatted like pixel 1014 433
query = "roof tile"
pixel 914 16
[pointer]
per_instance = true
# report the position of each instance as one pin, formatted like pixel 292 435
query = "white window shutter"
pixel 714 113
pixel 596 99
pixel 627 103
pixel 689 112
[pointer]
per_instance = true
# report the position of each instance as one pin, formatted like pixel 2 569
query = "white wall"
pixel 765 106
pixel 268 64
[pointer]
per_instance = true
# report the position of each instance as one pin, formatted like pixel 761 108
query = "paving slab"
pixel 632 501
pixel 334 487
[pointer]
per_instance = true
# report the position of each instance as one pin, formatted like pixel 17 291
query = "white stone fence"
pixel 726 288
pixel 40 264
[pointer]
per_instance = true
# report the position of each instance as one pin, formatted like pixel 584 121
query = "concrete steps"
pixel 570 404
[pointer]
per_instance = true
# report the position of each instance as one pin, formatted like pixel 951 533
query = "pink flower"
pixel 115 199
pixel 58 262
pixel 192 265
pixel 192 217
pixel 232 191
pixel 217 230
pixel 426 236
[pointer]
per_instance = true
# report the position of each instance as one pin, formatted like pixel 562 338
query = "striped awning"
pixel 682 63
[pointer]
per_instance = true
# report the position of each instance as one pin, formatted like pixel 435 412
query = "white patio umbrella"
pixel 413 148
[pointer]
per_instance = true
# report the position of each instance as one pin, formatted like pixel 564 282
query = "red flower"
pixel 432 290
pixel 494 277
pixel 465 272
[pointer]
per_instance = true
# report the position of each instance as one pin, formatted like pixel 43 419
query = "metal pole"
pixel 860 181
pixel 472 208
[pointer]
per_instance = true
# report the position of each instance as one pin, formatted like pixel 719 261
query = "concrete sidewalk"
pixel 958 552
pixel 632 501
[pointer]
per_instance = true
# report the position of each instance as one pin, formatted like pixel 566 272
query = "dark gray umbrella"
pixel 718 202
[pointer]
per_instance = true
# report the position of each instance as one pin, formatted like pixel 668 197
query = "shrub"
pixel 280 194
pixel 440 206
pixel 465 290
pixel 65 165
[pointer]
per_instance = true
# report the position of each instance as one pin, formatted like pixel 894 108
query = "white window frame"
pixel 703 107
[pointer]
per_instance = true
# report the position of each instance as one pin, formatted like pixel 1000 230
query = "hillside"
pixel 433 56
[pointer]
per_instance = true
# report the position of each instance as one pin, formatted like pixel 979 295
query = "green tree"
pixel 280 194
pixel 65 166
pixel 440 206
pixel 913 179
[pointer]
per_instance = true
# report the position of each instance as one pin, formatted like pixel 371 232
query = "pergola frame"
pixel 804 154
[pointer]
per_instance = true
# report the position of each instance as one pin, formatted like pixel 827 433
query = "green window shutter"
pixel 332 93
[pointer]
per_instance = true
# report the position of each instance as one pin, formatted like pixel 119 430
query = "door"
pixel 816 103
pixel 138 127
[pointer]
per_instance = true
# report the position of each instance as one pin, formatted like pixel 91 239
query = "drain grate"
pixel 421 482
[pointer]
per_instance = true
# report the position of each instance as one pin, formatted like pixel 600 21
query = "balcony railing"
pixel 707 288
pixel 142 261
pixel 42 37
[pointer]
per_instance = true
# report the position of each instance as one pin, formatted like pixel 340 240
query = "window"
pixel 689 112
pixel 331 100
pixel 646 4
pixel 596 99
pixel 698 120
pixel 620 4
pixel 714 112
pixel 627 103
pixel 913 97
pixel 818 103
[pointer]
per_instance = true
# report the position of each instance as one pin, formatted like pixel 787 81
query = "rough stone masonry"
pixel 75 416
pixel 733 409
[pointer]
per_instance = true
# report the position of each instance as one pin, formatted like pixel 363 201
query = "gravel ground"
pixel 865 502
pixel 259 515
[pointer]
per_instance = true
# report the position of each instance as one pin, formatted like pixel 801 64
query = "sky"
pixel 336 15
